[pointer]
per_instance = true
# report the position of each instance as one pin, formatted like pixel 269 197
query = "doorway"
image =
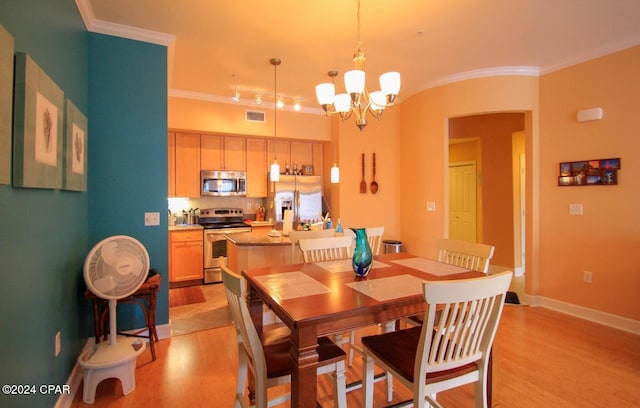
pixel 462 201
pixel 496 144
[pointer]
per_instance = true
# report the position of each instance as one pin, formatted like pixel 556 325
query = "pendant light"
pixel 275 167
pixel 335 171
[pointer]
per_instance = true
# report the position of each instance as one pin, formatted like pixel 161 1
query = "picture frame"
pixel 74 175
pixel 37 127
pixel 589 172
pixel 6 103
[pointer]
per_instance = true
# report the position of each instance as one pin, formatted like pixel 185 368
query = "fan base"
pixel 110 361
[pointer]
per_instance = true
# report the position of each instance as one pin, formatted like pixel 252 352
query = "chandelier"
pixel 357 100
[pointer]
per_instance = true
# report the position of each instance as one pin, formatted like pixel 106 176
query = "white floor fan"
pixel 115 268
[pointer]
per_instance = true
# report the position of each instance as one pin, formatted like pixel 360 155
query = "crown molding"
pixel 120 30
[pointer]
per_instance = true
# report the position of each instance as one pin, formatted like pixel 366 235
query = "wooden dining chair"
pixel 295 236
pixel 325 249
pixel 374 237
pixel 269 362
pixel 438 356
pixel 470 255
pixel 329 249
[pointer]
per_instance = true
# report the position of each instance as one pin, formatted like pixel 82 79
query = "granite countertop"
pixel 185 227
pixel 256 238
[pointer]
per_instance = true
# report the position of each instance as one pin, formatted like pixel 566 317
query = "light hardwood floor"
pixel 542 359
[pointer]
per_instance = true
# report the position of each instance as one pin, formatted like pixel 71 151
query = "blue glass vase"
pixel 362 256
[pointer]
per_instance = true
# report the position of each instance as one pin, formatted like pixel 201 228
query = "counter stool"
pixel 145 297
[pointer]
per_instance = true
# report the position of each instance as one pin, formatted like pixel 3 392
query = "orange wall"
pixel 606 238
pixel 197 115
pixel 424 124
pixel 369 210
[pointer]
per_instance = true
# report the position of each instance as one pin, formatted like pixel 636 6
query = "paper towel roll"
pixel 287 223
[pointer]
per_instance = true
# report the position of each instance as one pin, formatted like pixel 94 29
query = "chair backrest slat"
pixel 468 255
pixel 468 314
pixel 325 249
pixel 374 236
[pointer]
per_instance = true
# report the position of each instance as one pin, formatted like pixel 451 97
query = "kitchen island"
pixel 256 249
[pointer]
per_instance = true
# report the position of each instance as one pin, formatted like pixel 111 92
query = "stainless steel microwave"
pixel 223 183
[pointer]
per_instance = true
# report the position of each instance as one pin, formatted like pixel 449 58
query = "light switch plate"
pixel 431 205
pixel 151 219
pixel 575 209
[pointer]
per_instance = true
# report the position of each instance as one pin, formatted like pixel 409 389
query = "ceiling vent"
pixel 254 116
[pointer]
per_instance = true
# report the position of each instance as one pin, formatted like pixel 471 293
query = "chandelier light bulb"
pixel 335 174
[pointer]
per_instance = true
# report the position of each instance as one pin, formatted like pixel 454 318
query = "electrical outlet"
pixel 57 344
pixel 431 205
pixel 575 209
pixel 249 205
pixel 151 219
pixel 587 277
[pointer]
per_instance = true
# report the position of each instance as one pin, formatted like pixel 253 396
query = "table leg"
pixel 304 344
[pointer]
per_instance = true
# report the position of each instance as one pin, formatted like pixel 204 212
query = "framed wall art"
pixel 37 127
pixel 6 103
pixel 74 175
pixel 589 172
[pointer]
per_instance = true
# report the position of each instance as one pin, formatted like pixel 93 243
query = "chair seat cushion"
pixel 279 361
pixel 398 350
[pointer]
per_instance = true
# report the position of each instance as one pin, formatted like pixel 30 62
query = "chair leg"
pixel 352 342
pixel 481 390
pixel 241 384
pixel 340 385
pixel 367 381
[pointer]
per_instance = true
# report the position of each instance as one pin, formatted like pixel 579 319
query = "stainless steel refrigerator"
pixel 302 194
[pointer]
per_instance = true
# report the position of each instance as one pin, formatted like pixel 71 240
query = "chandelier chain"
pixel 359 38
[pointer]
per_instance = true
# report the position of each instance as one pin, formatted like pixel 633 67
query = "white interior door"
pixel 462 201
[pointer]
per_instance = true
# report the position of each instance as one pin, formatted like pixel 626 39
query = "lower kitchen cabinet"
pixel 185 255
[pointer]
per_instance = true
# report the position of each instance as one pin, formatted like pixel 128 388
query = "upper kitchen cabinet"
pixel 186 164
pixel 298 153
pixel 301 154
pixel 257 167
pixel 318 159
pixel 281 153
pixel 223 152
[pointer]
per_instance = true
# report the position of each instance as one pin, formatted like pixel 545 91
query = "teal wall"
pixel 128 134
pixel 45 234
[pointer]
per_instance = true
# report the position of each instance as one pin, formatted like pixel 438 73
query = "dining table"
pixel 325 298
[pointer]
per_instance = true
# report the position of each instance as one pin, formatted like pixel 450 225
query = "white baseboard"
pixel 596 316
pixel 75 378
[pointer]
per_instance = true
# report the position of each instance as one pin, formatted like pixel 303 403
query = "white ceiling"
pixel 429 42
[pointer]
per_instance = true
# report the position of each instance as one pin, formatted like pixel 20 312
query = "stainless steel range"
pixel 218 222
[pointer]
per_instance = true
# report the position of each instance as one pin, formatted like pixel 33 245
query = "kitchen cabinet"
pixel 318 159
pixel 297 152
pixel 301 154
pixel 186 258
pixel 186 179
pixel 220 152
pixel 281 152
pixel 257 164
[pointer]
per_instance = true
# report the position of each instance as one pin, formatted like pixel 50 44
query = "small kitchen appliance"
pixel 218 222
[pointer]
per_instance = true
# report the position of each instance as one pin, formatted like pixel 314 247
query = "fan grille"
pixel 116 267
